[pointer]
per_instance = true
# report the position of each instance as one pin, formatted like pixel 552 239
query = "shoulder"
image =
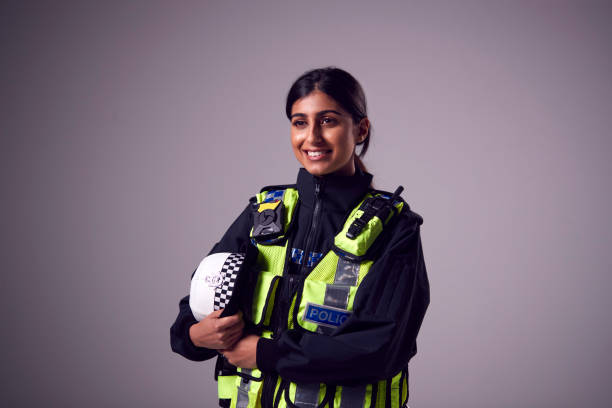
pixel 407 217
pixel 401 235
pixel 274 190
pixel 273 187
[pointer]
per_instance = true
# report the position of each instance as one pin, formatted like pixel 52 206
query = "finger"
pixel 230 338
pixel 229 321
pixel 231 332
pixel 237 327
pixel 215 314
pixel 233 339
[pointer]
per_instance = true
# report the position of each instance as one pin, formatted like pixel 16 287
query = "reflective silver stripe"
pixel 243 390
pixel 353 396
pixel 306 395
pixel 336 296
pixel 325 329
pixel 347 272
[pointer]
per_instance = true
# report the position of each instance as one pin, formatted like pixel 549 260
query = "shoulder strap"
pixel 366 222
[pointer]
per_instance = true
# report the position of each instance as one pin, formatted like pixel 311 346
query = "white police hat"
pixel 214 283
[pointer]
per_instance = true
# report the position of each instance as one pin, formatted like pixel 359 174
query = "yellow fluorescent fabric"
pixel 268 206
pixel 321 280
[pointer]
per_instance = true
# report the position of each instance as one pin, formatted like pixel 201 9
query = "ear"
pixel 362 130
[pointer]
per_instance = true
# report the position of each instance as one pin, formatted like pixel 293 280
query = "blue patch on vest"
pixel 325 315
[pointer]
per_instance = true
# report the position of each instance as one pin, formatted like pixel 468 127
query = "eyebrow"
pixel 323 112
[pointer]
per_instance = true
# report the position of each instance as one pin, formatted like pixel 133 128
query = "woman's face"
pixel 323 135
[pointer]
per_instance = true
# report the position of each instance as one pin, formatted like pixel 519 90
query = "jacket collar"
pixel 339 193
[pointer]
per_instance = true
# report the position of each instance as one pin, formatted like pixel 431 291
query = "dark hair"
pixel 342 87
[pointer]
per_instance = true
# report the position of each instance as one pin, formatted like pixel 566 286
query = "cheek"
pixel 344 144
pixel 296 140
pixel 296 143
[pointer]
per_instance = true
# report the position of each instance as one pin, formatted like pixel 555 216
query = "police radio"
pixel 375 206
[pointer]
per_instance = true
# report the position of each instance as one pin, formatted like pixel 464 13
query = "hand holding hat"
pixel 215 332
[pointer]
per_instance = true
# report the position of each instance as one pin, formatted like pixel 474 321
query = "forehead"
pixel 314 102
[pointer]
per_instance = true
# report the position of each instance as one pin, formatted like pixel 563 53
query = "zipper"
pixel 269 381
pixel 294 281
pixel 313 227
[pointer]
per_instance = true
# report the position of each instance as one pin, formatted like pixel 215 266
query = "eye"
pixel 299 123
pixel 327 120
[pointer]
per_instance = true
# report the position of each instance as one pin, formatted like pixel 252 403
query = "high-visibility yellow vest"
pixel 323 301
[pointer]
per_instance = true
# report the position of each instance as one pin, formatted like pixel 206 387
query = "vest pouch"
pixel 264 297
pixel 248 386
pixel 324 307
pixel 364 225
pixel 311 395
pixel 359 247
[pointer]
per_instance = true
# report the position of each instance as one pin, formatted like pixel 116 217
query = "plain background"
pixel 133 133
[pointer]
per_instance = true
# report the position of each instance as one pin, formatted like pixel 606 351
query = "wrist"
pixel 193 335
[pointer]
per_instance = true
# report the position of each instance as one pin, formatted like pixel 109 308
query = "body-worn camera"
pixel 268 219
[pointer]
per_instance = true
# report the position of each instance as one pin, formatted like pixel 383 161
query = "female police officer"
pixel 339 293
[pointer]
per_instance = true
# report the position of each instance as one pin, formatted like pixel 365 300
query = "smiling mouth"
pixel 317 154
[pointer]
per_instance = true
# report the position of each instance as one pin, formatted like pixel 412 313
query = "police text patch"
pixel 325 315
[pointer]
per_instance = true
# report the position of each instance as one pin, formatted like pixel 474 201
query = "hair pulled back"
pixel 339 85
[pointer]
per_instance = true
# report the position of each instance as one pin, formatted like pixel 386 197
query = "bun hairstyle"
pixel 343 88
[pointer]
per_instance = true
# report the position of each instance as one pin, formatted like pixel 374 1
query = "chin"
pixel 322 168
pixel 320 172
pixel 316 172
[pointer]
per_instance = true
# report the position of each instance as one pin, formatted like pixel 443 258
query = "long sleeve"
pixel 379 338
pixel 179 335
pixel 235 239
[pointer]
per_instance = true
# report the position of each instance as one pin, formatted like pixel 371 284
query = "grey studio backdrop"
pixel 133 133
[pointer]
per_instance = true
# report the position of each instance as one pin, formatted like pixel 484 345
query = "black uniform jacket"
pixel 379 338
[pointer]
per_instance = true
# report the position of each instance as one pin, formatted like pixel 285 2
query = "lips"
pixel 317 154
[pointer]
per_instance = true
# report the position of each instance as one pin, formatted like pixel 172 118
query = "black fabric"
pixel 179 335
pixel 379 338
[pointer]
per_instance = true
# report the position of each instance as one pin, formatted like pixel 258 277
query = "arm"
pixel 379 338
pixel 183 335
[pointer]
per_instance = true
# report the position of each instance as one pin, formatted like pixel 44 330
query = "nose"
pixel 314 134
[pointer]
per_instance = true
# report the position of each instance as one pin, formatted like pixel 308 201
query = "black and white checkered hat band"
pixel 229 271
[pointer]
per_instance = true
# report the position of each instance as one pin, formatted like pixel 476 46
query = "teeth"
pixel 315 154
